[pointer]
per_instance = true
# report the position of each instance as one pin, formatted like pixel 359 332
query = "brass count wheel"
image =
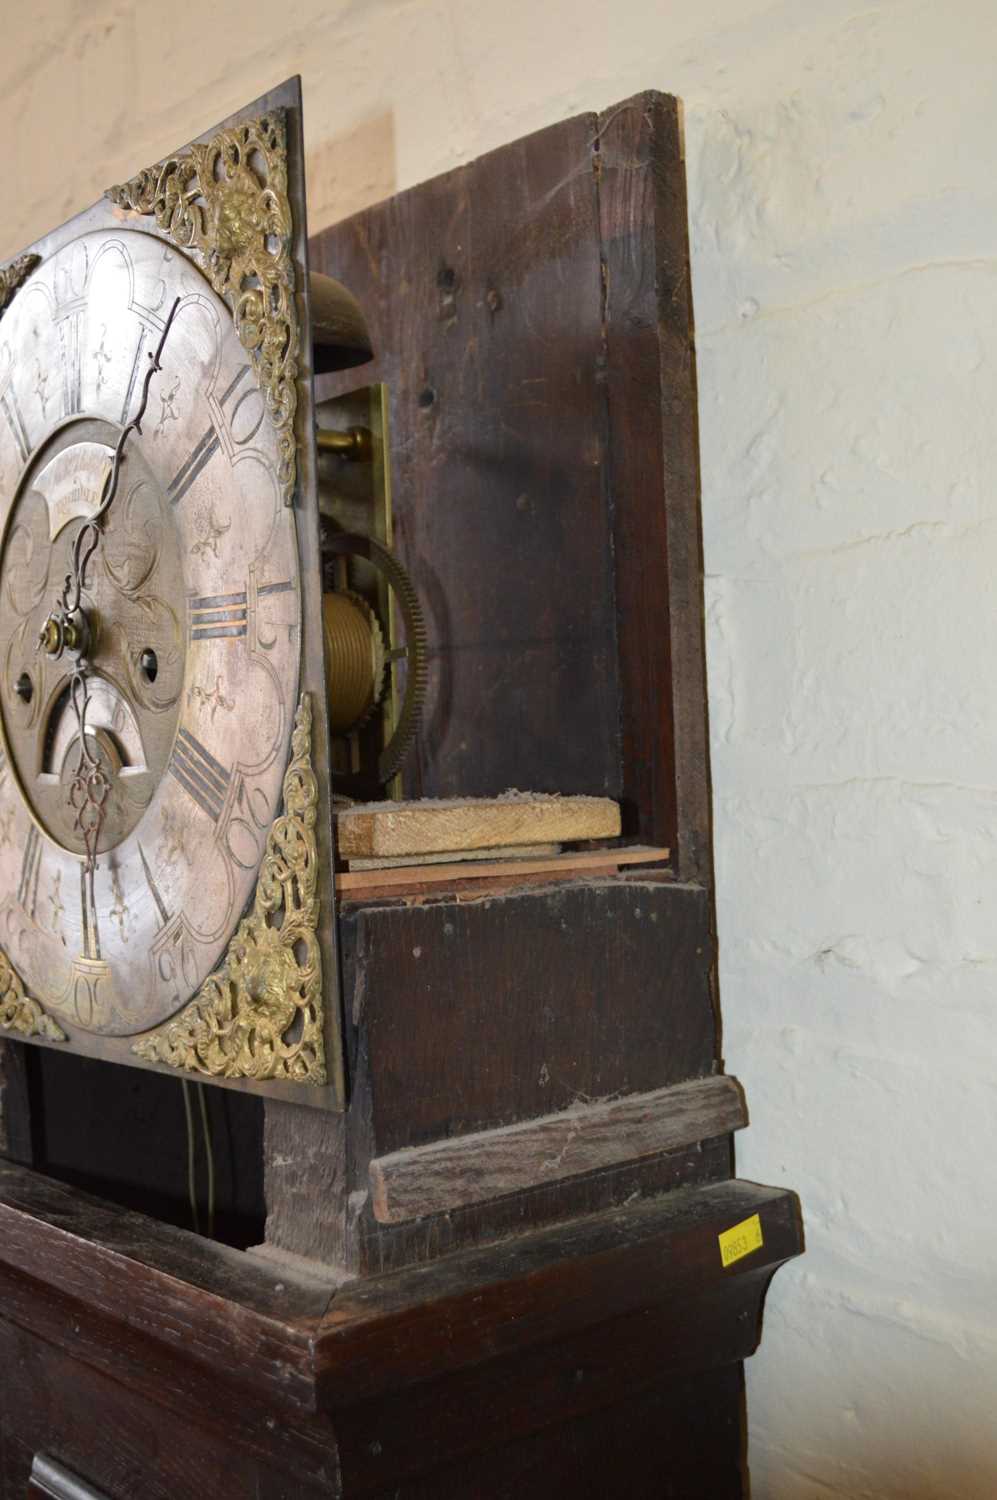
pixel 357 659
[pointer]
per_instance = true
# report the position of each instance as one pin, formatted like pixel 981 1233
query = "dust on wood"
pixel 587 1137
pixel 383 829
pixel 557 867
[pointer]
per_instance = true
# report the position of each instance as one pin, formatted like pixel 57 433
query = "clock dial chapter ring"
pixel 69 628
pixel 192 601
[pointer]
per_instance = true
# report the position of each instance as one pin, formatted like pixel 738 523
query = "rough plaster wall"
pixel 844 222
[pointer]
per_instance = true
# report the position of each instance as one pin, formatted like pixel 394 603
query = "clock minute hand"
pixel 67 629
pixel 88 536
pixel 60 631
pixel 135 425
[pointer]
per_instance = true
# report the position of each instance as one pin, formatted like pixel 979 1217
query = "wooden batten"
pixel 470 1169
pixel 358 885
pixel 459 856
pixel 380 830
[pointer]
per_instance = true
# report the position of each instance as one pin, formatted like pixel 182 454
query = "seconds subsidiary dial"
pixel 191 608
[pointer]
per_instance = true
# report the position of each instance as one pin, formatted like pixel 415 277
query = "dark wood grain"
pixel 222 1303
pixel 482 292
pixel 433 1370
pixel 532 314
pixel 679 1440
pixel 401 1329
pixel 654 481
pixel 463 1016
pixel 539 1391
pixel 17 1119
pixel 518 1006
pixel 225 1399
pixel 120 1441
pixel 381 1248
pixel 306 1183
pixel 451 1174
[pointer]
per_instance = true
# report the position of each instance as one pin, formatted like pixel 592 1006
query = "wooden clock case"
pixel 499 1271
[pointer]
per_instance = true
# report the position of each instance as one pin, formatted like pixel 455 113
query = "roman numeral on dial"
pixel 72 363
pixel 27 890
pixel 12 413
pixel 154 890
pixel 88 913
pixel 200 774
pixel 205 450
pixel 126 405
pixel 217 616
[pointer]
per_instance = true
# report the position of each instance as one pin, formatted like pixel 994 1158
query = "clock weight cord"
pixel 209 1158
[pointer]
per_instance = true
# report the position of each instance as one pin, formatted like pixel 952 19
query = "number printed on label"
pixel 740 1240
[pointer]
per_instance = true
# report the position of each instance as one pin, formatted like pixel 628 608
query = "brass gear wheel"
pixel 355 659
pixel 413 653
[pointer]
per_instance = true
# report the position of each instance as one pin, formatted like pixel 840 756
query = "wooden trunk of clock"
pixel 505 1269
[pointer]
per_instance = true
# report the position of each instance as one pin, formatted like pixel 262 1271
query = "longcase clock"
pixel 164 795
pixel 514 1259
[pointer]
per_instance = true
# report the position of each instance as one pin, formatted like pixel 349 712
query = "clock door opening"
pixel 191 1158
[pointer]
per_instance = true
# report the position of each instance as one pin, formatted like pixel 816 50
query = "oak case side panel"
pixel 532 316
pixel 482 1013
pixel 482 289
pixel 652 477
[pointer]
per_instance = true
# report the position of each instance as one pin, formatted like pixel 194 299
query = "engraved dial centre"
pixel 127 621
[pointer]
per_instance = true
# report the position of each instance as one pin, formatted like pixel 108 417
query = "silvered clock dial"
pixel 188 936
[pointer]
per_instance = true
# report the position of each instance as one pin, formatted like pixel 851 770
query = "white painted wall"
pixel 844 229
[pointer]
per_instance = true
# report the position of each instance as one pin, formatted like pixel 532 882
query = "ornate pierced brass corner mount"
pixel 18 1012
pixel 260 1015
pixel 13 275
pixel 227 203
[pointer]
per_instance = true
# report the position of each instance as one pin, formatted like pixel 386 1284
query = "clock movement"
pixel 353 761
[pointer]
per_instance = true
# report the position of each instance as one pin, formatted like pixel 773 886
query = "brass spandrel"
pixel 270 984
pixel 20 1014
pixel 12 276
pixel 227 202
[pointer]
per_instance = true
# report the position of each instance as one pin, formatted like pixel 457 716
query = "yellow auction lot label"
pixel 739 1241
